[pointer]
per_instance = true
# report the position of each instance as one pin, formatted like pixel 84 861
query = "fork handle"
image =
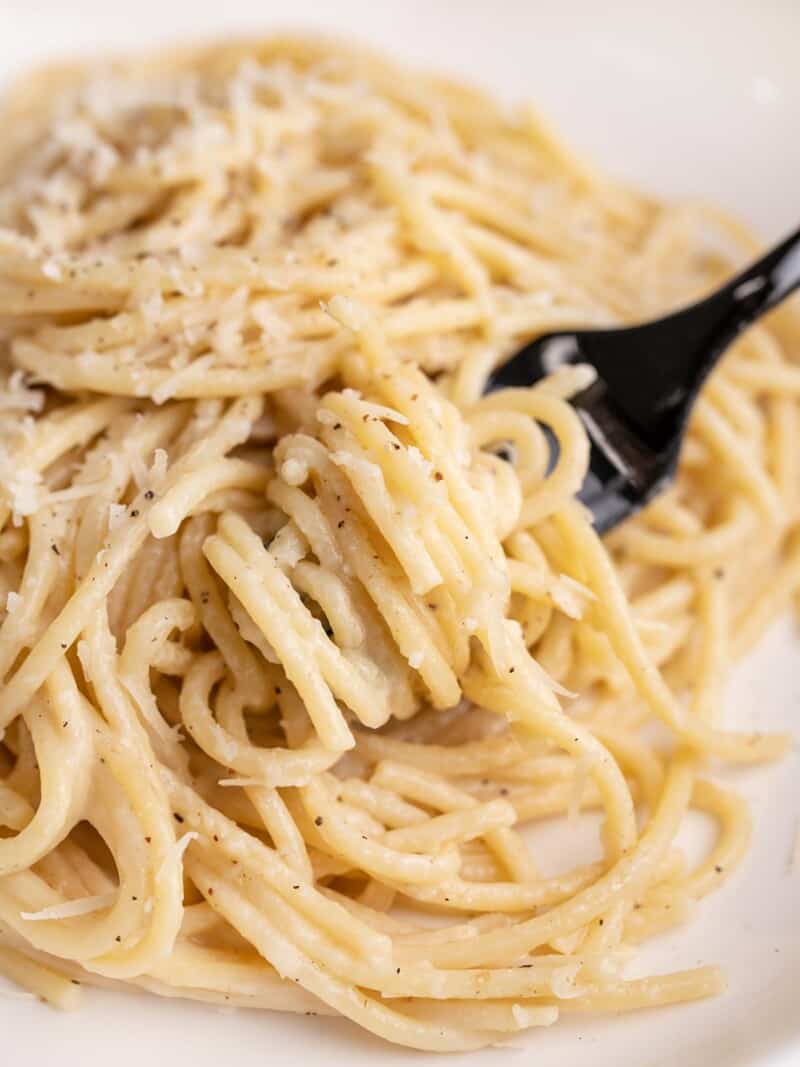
pixel 765 283
pixel 674 355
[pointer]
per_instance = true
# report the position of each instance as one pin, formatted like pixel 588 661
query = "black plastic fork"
pixel 648 377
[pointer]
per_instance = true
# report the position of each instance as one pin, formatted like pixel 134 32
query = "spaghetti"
pixel 300 632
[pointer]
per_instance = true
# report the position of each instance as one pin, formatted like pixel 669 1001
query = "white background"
pixel 690 99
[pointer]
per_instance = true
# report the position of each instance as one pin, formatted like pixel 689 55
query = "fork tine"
pixel 610 434
pixel 648 378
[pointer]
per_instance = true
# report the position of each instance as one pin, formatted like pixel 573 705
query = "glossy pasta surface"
pixel 299 633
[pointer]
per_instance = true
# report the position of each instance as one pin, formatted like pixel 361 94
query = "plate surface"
pixel 686 99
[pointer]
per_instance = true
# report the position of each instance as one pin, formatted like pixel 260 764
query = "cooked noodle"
pixel 299 634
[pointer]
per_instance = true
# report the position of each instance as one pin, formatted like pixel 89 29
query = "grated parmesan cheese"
pixel 569 596
pixel 17 396
pixel 540 1015
pixel 347 312
pixel 50 269
pixel 167 388
pixel 273 327
pixel 158 471
pixel 71 908
pixel 175 854
pixel 13 601
pixel 152 306
pixel 520 1016
pixel 183 843
pixel 417 457
pixel 117 513
pixel 563 982
pixel 578 587
pixel 22 488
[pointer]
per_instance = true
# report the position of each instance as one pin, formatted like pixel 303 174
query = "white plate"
pixel 689 98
